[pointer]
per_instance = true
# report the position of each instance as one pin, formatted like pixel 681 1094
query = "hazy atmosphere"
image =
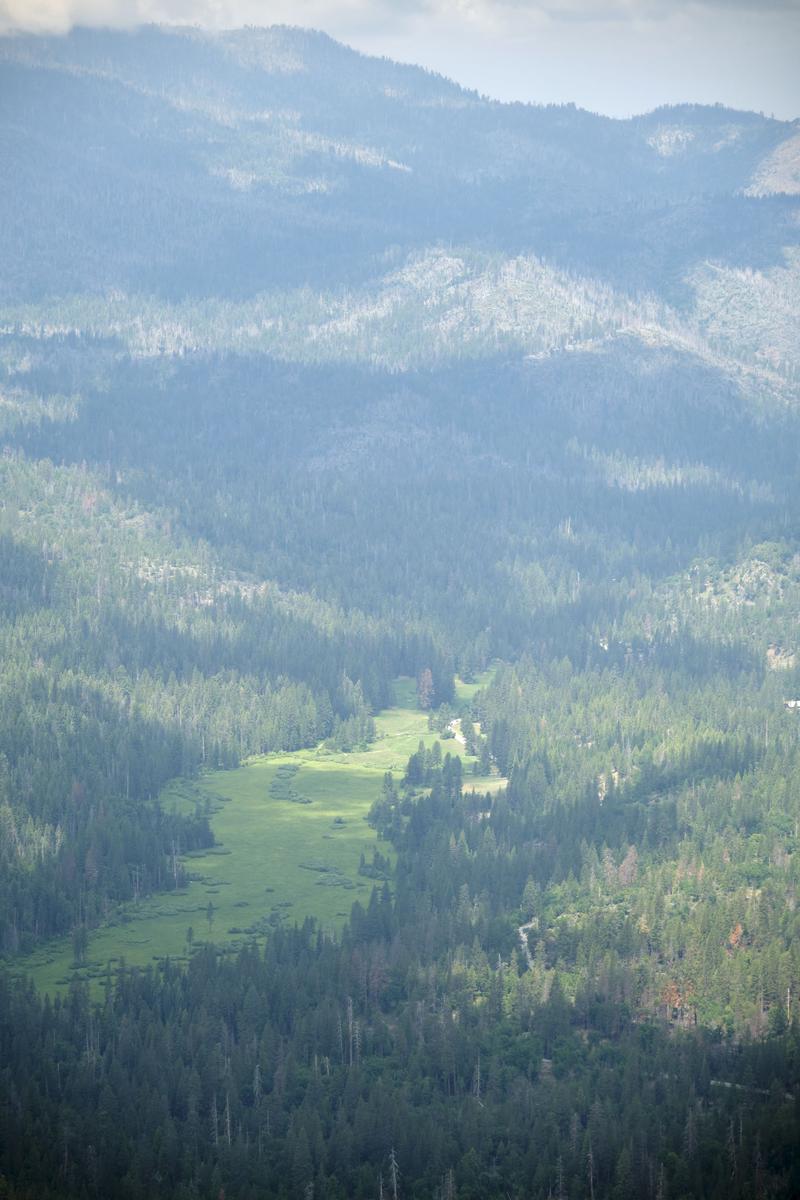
pixel 612 56
pixel 399 602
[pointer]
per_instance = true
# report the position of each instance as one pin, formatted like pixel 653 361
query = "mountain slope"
pixel 279 170
pixel 316 370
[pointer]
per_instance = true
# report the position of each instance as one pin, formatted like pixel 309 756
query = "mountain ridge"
pixel 327 388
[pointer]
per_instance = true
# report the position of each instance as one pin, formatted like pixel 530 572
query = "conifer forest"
pixel 399 633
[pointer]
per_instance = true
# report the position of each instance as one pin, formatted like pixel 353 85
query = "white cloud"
pixel 614 56
pixel 58 16
pixel 367 15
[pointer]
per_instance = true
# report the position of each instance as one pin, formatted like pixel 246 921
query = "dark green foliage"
pixel 314 1062
pixel 311 376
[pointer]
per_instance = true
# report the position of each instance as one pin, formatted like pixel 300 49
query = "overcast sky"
pixel 613 56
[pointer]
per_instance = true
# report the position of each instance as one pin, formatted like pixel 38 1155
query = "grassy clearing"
pixel 290 831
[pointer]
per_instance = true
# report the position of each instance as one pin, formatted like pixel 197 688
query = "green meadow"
pixel 290 833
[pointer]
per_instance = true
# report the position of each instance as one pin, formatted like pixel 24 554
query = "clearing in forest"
pixel 290 830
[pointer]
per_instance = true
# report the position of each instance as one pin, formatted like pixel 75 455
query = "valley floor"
pixel 290 831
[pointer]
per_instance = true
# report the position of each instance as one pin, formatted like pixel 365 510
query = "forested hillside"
pixel 315 371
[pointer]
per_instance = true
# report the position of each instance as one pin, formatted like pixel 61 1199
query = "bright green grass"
pixel 254 877
pixel 466 691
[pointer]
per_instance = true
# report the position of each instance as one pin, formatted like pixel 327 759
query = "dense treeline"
pixel 636 868
pixel 399 498
pixel 133 149
pixel 437 1045
pixel 162 653
pixel 665 892
pixel 305 386
pixel 128 658
pixel 322 1068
